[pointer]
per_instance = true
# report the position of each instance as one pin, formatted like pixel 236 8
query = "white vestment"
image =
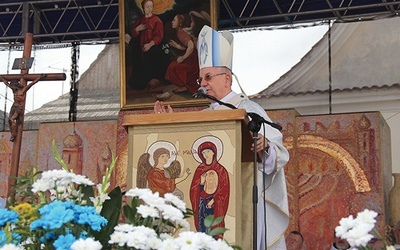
pixel 273 213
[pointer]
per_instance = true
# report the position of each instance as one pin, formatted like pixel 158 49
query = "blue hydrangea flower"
pixel 54 215
pixel 83 235
pixel 7 216
pixel 64 242
pixel 3 238
pixel 16 239
pixel 49 236
pixel 87 215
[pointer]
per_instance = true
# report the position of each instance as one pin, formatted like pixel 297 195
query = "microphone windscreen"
pixel 200 92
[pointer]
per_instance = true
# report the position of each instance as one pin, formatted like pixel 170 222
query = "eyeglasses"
pixel 208 77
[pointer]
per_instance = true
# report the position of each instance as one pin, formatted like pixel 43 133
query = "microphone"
pixel 201 92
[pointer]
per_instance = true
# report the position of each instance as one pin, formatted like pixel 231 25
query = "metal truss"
pixel 54 21
pixel 235 14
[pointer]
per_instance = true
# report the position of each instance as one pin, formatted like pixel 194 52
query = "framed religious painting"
pixel 158 55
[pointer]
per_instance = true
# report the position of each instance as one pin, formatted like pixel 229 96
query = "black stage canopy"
pixel 54 21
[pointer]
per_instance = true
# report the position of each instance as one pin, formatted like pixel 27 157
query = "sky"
pixel 260 58
pixel 45 61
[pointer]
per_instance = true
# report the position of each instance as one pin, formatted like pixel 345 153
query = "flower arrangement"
pixel 57 211
pixel 357 231
pixel 61 210
pixel 154 221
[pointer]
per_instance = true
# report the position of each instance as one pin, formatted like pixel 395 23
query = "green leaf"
pixel 114 203
pixel 189 213
pixel 216 221
pixel 236 247
pixel 208 221
pixel 23 186
pixel 58 157
pixel 87 193
pixel 128 213
pixel 111 211
pixel 216 231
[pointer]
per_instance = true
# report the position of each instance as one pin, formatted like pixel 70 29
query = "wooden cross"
pixel 19 83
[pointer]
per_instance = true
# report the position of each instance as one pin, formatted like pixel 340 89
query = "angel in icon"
pixel 160 171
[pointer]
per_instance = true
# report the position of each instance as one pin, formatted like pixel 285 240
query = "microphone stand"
pixel 254 126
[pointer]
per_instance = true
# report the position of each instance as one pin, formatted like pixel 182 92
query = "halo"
pixel 162 144
pixel 217 142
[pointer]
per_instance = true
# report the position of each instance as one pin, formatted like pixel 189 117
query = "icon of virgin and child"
pixel 160 171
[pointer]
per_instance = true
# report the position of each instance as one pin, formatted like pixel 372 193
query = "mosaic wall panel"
pixel 339 166
pixel 86 147
pixel 27 157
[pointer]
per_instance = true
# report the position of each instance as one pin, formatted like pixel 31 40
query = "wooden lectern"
pixel 181 136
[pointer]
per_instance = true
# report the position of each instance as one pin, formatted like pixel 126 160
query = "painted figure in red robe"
pixel 161 173
pixel 156 177
pixel 149 30
pixel 184 70
pixel 209 191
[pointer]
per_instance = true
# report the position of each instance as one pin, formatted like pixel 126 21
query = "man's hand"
pixel 159 108
pixel 262 143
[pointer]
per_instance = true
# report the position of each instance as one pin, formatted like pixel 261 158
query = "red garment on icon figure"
pixel 159 183
pixel 221 194
pixel 184 74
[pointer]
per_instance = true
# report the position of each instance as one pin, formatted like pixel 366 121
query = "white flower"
pixel 11 247
pixel 175 201
pixel 99 200
pixel 86 244
pixel 148 232
pixel 153 242
pixel 137 240
pixel 147 211
pixel 124 228
pixel 358 237
pixel 367 217
pixel 171 213
pixel 356 231
pixel 104 187
pixel 183 223
pixel 137 192
pixel 167 244
pixel 220 245
pixel 55 174
pixel 66 182
pixel 153 199
pixel 165 236
pixel 192 240
pixel 42 185
pixel 345 225
pixel 61 189
pixel 204 240
pixel 81 180
pixel 119 238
